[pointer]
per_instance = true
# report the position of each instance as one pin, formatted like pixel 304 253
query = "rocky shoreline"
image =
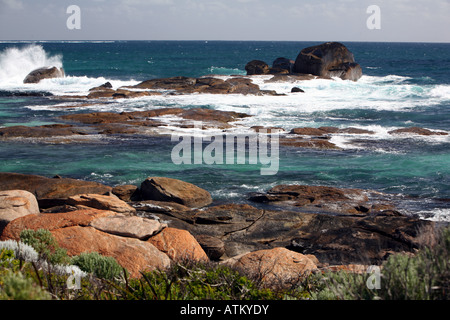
pixel 285 231
pixel 307 228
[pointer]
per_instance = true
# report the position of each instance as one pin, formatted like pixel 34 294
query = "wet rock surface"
pixel 37 75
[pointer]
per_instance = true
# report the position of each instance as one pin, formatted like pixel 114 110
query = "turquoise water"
pixel 404 84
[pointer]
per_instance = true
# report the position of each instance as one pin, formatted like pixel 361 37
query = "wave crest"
pixel 17 63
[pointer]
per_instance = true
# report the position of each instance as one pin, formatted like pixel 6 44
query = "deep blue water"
pixel 404 84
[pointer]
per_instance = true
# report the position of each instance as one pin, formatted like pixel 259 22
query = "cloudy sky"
pixel 292 20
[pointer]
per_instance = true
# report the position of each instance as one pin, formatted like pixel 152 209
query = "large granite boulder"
pixel 37 75
pixel 15 204
pixel 132 254
pixel 179 245
pixel 256 67
pixel 277 266
pixel 173 190
pixel 330 59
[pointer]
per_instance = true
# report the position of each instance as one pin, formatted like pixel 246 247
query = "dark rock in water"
pixel 278 71
pixel 283 63
pixel 37 75
pixel 296 89
pixel 242 86
pixel 348 71
pixel 308 131
pixel 419 131
pixel 106 85
pixel 331 59
pixel 51 130
pixel 6 93
pixel 256 67
pixel 173 83
pixel 327 199
pixel 313 143
pixel 184 85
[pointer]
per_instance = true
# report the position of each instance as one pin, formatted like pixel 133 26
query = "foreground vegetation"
pixel 35 268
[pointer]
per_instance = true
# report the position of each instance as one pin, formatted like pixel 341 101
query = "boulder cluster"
pixel 327 60
pixel 301 229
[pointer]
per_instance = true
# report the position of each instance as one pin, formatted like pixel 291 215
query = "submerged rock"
pixel 52 130
pixel 419 131
pixel 309 131
pixel 37 75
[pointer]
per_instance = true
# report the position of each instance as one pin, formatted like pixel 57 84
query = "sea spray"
pixel 16 63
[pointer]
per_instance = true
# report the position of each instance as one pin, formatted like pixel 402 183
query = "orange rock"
pixel 50 188
pixel 51 221
pixel 102 202
pixel 132 254
pixel 178 244
pixel 278 266
pixel 15 204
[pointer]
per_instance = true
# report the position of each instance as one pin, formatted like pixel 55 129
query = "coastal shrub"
pixel 16 286
pixel 188 281
pixel 422 276
pixel 45 244
pixel 101 266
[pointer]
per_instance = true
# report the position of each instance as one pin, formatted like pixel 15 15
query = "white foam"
pixel 438 215
pixel 16 64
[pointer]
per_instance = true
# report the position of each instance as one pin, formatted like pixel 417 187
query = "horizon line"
pixel 212 40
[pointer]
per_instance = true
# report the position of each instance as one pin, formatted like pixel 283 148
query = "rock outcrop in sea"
pixel 331 59
pixel 37 75
pixel 327 60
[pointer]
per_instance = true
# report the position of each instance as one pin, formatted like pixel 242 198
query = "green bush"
pixel 100 266
pixel 190 281
pixel 16 286
pixel 6 257
pixel 423 276
pixel 45 244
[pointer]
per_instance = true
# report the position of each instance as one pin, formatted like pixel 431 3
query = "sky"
pixel 272 20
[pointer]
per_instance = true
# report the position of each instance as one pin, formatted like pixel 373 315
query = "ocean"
pixel 403 85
